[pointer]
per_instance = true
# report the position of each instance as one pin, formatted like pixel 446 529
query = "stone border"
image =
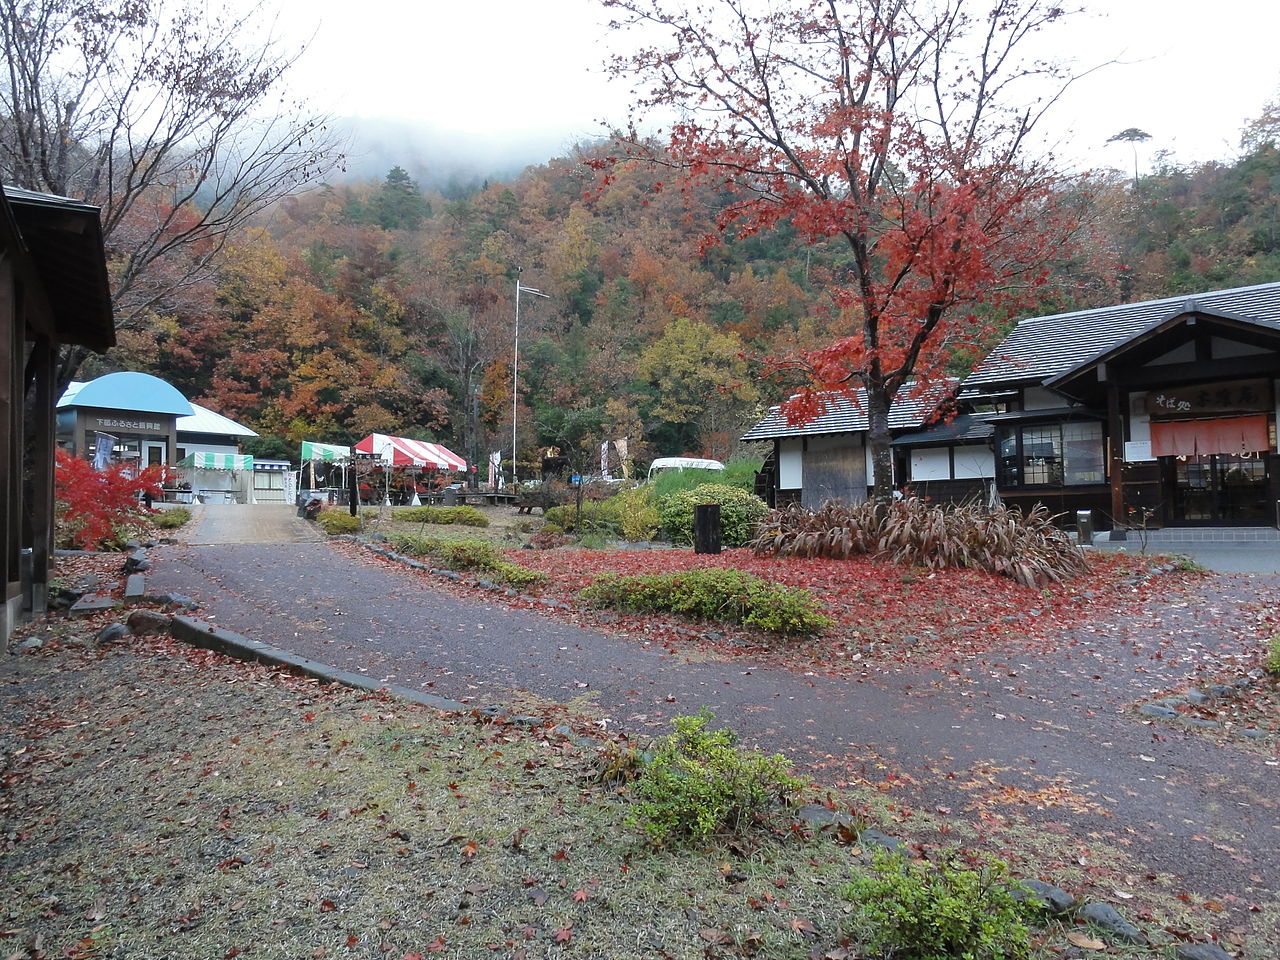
pixel 1166 708
pixel 206 636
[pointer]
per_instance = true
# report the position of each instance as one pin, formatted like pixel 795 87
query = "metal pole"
pixel 515 377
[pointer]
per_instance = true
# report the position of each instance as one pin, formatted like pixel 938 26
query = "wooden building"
pixel 828 458
pixel 1159 413
pixel 53 291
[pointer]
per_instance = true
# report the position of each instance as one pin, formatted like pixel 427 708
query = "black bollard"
pixel 706 528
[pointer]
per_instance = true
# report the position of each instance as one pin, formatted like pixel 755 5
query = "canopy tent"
pixel 217 461
pixel 403 452
pixel 324 451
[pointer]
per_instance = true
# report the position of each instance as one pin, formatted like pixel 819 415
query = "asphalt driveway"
pixel 1048 739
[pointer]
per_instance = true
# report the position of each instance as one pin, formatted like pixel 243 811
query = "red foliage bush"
pixel 92 507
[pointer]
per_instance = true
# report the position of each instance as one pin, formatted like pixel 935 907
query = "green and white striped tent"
pixel 324 451
pixel 217 461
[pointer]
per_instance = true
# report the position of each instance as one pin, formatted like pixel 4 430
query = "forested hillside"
pixel 362 307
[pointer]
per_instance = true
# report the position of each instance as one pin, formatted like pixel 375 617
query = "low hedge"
pixel 334 522
pixel 712 594
pixel 462 516
pixel 172 518
pixel 476 555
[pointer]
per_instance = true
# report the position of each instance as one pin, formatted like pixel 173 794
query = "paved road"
pixel 1041 735
pixel 1222 557
pixel 249 523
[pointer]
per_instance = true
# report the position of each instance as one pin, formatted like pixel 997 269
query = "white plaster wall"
pixel 1139 419
pixel 974 462
pixel 1038 398
pixel 790 464
pixel 931 463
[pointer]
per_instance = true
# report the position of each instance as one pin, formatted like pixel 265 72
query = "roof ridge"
pixel 1184 298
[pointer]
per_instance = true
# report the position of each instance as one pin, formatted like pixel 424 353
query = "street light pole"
pixel 515 365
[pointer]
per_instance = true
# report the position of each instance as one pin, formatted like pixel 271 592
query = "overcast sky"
pixel 528 72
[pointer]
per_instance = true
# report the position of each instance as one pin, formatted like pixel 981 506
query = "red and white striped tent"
pixel 403 452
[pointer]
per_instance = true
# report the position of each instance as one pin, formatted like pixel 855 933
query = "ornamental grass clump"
pixel 918 911
pixel 698 783
pixel 712 594
pixel 740 513
pixel 1027 548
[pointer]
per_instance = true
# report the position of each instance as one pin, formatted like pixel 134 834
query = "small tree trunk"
pixel 878 439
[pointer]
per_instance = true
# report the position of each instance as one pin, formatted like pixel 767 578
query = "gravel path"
pixel 1042 743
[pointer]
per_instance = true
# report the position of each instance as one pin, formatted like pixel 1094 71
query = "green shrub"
pixel 740 512
pixel 712 594
pixel 172 518
pixel 334 522
pixel 596 516
pixel 1272 664
pixel 913 911
pixel 462 516
pixel 697 783
pixel 476 555
pixel 638 517
pixel 1026 548
pixel 518 576
pixel 468 554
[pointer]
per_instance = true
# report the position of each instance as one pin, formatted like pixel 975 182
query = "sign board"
pixel 1209 400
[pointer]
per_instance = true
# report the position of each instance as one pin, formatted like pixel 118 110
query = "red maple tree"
pixel 890 126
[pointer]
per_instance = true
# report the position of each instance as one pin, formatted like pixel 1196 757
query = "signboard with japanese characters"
pixel 1210 400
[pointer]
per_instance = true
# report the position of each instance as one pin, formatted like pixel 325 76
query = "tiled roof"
pixel 1043 347
pixel 844 416
pixel 964 428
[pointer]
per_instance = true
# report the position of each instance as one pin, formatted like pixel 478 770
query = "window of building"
pixel 1051 455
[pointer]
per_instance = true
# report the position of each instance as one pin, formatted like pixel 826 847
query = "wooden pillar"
pixel 1115 448
pixel 11 338
pixel 43 363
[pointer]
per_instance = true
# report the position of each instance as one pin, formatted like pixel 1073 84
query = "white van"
pixel 682 463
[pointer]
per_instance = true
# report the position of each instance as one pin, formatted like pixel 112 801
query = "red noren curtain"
pixel 1189 438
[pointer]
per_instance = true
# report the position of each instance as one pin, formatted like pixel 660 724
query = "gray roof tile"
pixel 844 416
pixel 1043 347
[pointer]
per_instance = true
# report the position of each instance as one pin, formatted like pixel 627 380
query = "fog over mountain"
pixel 445 160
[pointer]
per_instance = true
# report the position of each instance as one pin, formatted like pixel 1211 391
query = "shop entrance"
pixel 1220 488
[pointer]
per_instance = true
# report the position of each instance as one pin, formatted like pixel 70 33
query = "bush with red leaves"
pixel 99 509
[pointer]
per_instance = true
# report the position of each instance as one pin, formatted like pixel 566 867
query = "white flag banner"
pixel 103 444
pixel 495 468
pixel 621 447
pixel 604 459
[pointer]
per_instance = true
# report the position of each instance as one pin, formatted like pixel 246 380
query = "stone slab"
pixel 135 588
pixel 90 604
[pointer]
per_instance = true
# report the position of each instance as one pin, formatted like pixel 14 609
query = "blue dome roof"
pixel 140 392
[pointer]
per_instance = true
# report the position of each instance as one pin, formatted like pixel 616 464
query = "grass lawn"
pixel 166 802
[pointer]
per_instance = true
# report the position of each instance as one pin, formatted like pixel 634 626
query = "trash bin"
pixel 1084 527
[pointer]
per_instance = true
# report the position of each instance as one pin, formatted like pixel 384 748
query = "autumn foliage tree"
pixel 893 127
pixel 162 115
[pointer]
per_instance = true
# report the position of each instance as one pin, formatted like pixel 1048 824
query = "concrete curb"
pixel 208 637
